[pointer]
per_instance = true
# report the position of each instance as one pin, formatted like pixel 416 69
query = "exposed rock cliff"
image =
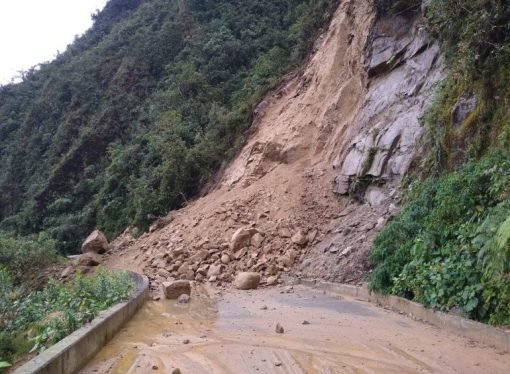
pixel 346 124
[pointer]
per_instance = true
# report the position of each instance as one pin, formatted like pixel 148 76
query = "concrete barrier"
pixel 75 351
pixel 490 335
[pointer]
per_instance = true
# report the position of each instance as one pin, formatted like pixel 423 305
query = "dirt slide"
pixel 234 332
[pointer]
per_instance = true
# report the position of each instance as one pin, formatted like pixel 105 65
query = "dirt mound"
pixel 283 190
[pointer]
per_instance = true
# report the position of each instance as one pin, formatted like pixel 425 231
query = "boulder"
pixel 241 238
pixel 89 259
pixel 172 290
pixel 95 242
pixel 247 281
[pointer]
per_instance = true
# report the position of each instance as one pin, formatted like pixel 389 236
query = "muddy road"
pixel 234 332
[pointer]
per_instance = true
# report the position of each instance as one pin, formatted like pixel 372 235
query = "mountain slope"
pixel 348 116
pixel 138 113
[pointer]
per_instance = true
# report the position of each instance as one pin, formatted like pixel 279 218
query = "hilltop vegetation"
pixel 449 248
pixel 134 117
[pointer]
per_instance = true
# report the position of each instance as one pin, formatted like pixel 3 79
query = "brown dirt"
pixel 235 332
pixel 281 181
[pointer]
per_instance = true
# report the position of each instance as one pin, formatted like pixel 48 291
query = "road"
pixel 234 332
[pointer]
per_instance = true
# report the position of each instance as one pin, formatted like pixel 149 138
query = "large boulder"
pixel 173 290
pixel 247 281
pixel 95 242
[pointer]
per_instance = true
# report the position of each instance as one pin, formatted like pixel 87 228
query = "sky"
pixel 32 31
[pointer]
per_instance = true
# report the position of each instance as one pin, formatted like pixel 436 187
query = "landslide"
pixel 320 171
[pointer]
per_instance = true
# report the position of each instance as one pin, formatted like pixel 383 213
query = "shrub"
pixel 449 247
pixel 25 256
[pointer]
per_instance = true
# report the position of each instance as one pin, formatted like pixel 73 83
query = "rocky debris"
pixel 176 371
pixel 184 299
pixel 96 242
pixel 172 290
pixel 247 281
pixel 279 329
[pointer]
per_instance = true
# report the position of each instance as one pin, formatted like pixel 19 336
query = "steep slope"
pixel 347 123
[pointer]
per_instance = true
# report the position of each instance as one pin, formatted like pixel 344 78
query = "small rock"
pixel 257 240
pixel 247 281
pixel 271 281
pixel 185 341
pixel 346 251
pixel 264 307
pixel 305 322
pixel 279 329
pixel 155 367
pixel 183 299
pixel 172 290
pixel 176 371
pixel 278 363
pixel 225 259
pixel 214 270
pixel 333 249
pixel 299 238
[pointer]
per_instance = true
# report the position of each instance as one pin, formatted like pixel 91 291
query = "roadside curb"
pixel 476 331
pixel 76 350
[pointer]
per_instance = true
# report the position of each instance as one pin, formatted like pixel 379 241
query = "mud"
pixel 234 332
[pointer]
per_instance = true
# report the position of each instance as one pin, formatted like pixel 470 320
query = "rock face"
pixel 173 290
pixel 404 65
pixel 247 281
pixel 95 242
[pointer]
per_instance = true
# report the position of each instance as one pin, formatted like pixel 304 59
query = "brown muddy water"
pixel 234 332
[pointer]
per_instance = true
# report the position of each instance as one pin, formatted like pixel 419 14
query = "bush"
pixel 25 256
pixel 450 246
pixel 49 315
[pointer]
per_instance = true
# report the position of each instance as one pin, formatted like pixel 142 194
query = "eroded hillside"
pixel 320 171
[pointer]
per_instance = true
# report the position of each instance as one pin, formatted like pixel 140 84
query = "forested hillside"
pixel 134 117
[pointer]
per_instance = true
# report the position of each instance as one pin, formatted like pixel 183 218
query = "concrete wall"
pixel 477 331
pixel 75 351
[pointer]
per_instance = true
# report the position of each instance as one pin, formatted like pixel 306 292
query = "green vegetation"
pixel 449 248
pixel 134 117
pixel 24 257
pixel 34 321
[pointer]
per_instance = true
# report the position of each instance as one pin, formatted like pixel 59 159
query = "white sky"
pixel 32 31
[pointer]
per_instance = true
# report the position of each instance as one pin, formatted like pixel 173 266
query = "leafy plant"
pixel 49 315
